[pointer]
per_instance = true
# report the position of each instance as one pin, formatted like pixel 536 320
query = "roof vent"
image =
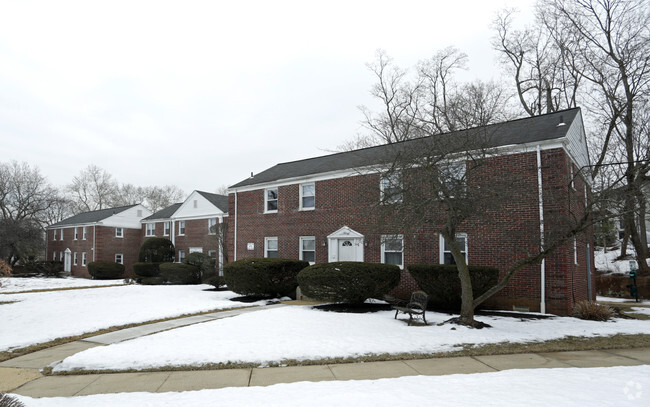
pixel 251 174
pixel 561 122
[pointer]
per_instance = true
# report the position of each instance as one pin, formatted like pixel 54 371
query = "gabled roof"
pixel 220 201
pixel 92 216
pixel 515 132
pixel 164 213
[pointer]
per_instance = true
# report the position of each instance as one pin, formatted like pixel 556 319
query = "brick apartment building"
pixel 314 210
pixel 112 235
pixel 116 234
pixel 193 225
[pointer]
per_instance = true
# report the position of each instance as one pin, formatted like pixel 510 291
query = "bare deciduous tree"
pixel 93 189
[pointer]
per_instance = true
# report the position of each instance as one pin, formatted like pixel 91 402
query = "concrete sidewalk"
pixel 77 385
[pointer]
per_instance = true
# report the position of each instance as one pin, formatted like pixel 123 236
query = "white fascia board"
pixel 205 216
pixel 72 225
pixel 373 169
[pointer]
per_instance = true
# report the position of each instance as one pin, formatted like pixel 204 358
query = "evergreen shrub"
pixel 105 270
pixel 216 281
pixel 261 276
pixel 180 273
pixel 442 284
pixel 145 270
pixel 205 263
pixel 156 250
pixel 349 282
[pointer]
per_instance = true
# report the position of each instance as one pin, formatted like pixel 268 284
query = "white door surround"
pixel 67 260
pixel 345 245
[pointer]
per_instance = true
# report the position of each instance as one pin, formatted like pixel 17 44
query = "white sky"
pixel 201 93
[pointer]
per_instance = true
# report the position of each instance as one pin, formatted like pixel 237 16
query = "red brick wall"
pixel 106 243
pixel 196 235
pixel 497 240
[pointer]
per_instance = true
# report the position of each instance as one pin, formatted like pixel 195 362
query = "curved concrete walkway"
pixel 22 375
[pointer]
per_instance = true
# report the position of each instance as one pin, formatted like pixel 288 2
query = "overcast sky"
pixel 201 93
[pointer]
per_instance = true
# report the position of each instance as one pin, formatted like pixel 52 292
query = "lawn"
pixel 15 284
pixel 611 386
pixel 37 317
pixel 302 333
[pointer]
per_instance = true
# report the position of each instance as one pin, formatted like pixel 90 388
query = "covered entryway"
pixel 345 245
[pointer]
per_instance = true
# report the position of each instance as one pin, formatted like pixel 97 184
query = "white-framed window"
pixel 74 258
pixel 61 234
pixel 60 256
pixel 181 256
pixel 308 249
pixel 212 254
pixel 392 250
pixel 83 259
pixel 119 232
pixel 76 233
pixel 54 234
pixel 150 229
pixel 196 250
pixel 452 179
pixel 391 188
pixel 212 226
pixel 166 228
pixel 307 196
pixel 119 258
pixel 181 227
pixel 83 233
pixel 54 256
pixel 445 252
pixel 271 247
pixel 271 200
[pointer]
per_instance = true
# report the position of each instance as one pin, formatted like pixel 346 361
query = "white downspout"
pixel 235 231
pixel 542 304
pixel 94 235
pixel 173 231
pixel 220 243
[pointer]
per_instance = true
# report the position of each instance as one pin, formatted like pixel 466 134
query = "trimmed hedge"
pixel 442 284
pixel 142 269
pixel 151 281
pixel 261 276
pixel 105 270
pixel 156 250
pixel 350 282
pixel 216 281
pixel 205 263
pixel 180 273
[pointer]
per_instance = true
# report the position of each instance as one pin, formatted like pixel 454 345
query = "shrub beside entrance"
pixel 261 276
pixel 441 282
pixel 105 270
pixel 351 282
pixel 180 273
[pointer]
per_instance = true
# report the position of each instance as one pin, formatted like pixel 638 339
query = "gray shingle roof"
pixel 521 131
pixel 91 217
pixel 220 201
pixel 164 213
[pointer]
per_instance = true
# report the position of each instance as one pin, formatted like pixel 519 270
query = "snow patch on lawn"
pixel 41 317
pixel 610 386
pixel 606 262
pixel 298 332
pixel 19 284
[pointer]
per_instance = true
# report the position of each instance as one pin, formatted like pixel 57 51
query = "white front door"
pixel 67 261
pixel 347 251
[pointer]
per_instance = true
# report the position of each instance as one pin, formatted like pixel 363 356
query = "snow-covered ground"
pixel 299 332
pixel 621 300
pixel 611 386
pixel 32 318
pixel 605 261
pixel 19 284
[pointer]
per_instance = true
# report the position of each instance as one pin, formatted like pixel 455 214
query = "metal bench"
pixel 417 306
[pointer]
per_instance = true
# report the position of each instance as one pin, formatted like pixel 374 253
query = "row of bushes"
pixel 351 282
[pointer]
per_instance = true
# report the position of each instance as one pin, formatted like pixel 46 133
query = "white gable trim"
pixel 203 209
